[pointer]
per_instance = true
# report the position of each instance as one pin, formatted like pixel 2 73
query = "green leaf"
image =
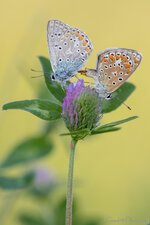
pixel 29 150
pixel 80 132
pixel 13 183
pixel 32 219
pixel 118 122
pixel 118 97
pixel 53 86
pixel 104 130
pixel 43 109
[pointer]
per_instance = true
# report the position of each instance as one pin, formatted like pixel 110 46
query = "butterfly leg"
pixel 76 76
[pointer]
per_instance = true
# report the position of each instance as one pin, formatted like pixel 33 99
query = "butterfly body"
pixel 69 49
pixel 99 87
pixel 66 70
pixel 114 67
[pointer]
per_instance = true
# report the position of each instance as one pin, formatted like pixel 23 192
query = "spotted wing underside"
pixel 115 66
pixel 66 44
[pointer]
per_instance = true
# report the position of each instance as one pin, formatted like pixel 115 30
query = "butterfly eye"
pixel 128 57
pixel 60 48
pixel 123 54
pixel 68 59
pixel 112 53
pixel 60 60
pixel 108 97
pixel 65 43
pixel 121 73
pixel 53 77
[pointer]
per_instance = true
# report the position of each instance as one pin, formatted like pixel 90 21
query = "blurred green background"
pixel 111 170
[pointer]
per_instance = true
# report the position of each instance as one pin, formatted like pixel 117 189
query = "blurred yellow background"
pixel 114 167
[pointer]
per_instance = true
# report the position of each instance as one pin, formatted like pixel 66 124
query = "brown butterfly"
pixel 114 67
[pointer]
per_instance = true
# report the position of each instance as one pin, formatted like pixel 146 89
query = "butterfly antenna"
pixel 123 103
pixel 39 71
pixel 37 76
pixel 76 76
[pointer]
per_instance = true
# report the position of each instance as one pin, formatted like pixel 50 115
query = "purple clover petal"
pixel 81 107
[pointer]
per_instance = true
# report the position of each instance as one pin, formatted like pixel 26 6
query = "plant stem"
pixel 70 183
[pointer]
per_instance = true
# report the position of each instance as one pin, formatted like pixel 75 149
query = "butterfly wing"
pixel 69 48
pixel 115 66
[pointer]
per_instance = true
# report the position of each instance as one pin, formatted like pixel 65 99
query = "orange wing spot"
pixel 87 49
pixel 135 60
pixel 126 60
pixel 84 43
pixel 128 71
pixel 77 34
pixel 80 37
pixel 89 53
pixel 102 59
pixel 72 33
pixel 105 60
pixel 117 57
pixel 67 34
pixel 122 57
pixel 127 65
pixel 111 57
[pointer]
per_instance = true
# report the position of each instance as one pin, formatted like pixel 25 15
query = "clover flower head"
pixel 81 107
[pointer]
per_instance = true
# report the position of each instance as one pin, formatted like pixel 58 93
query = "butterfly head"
pixel 60 77
pixel 102 91
pixel 53 77
pixel 108 97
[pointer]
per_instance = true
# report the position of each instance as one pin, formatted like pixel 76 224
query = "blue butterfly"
pixel 69 49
